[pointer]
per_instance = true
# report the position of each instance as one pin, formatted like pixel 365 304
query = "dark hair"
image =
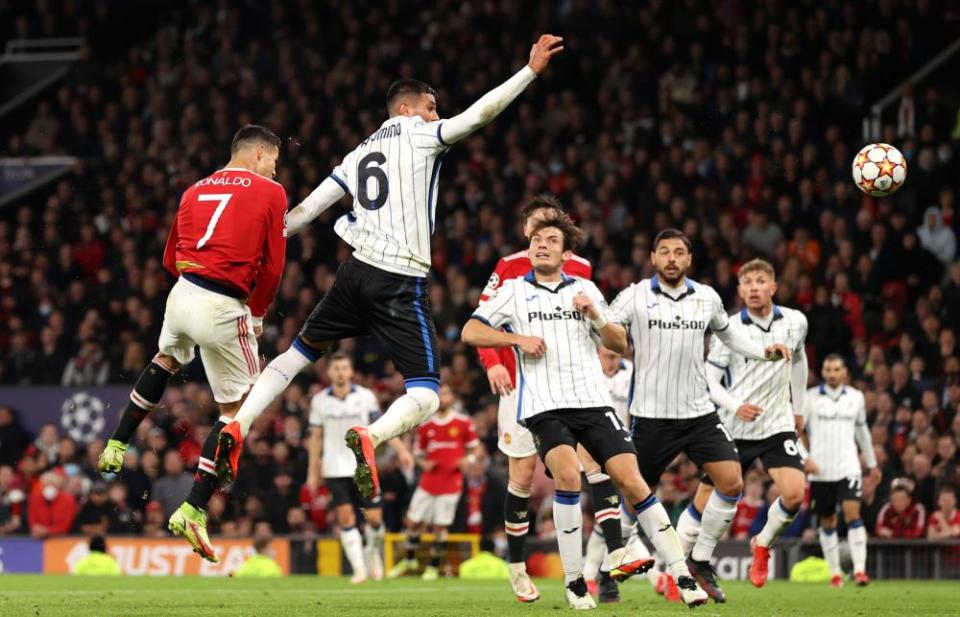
pixel 405 87
pixel 670 234
pixel 572 235
pixel 339 355
pixel 538 203
pixel 835 356
pixel 98 544
pixel 253 134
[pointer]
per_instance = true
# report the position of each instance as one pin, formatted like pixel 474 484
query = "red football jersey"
pixel 940 521
pixel 511 267
pixel 229 229
pixel 445 441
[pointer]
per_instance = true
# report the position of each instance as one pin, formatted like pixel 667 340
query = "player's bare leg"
pixel 655 523
pixel 830 545
pixel 857 538
pixel 718 514
pixel 516 521
pixel 568 518
pixel 352 542
pixel 190 519
pixel 373 547
pixel 144 398
pixel 791 484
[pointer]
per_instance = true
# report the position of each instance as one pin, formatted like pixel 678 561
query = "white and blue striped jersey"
pixel 393 176
pixel 619 385
pixel 336 416
pixel 569 375
pixel 836 423
pixel 668 332
pixel 761 383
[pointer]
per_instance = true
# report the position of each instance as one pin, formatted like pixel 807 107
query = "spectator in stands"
pixel 945 522
pixel 94 515
pixel 155 520
pixel 937 237
pixel 13 439
pixel 173 486
pixel 12 504
pixel 47 444
pixel 88 368
pixel 50 510
pixel 901 517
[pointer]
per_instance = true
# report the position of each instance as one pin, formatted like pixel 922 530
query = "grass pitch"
pixel 63 596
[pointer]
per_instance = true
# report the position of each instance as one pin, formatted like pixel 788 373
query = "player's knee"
pixel 828 522
pixel 792 496
pixel 567 478
pixel 346 517
pixel 168 362
pixel 730 486
pixel 426 398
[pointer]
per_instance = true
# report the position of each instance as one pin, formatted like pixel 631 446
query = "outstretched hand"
pixel 546 47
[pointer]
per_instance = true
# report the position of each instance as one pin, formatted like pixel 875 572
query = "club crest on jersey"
pixel 677 323
pixel 454 431
pixel 507 438
pixel 557 315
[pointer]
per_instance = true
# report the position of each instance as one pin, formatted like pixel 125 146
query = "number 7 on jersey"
pixel 224 199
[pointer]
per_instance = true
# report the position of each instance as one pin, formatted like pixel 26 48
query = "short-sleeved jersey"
pixel 445 441
pixel 229 229
pixel 831 420
pixel 511 267
pixel 765 384
pixel 336 416
pixel 393 176
pixel 618 385
pixel 569 375
pixel 670 381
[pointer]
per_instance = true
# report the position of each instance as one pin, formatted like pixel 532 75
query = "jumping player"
pixel 227 247
pixel 392 177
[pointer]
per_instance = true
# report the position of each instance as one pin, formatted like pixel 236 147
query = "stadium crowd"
pixel 738 132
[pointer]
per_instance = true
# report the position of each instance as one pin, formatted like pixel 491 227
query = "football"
pixel 879 170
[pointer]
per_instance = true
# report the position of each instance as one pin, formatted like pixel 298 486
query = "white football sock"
pixel 655 523
pixel 373 536
pixel 408 411
pixel 596 551
pixel 857 538
pixel 717 517
pixel 688 527
pixel 353 548
pixel 272 381
pixel 568 519
pixel 778 519
pixel 628 522
pixel 830 544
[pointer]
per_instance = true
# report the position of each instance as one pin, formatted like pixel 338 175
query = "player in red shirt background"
pixel 227 247
pixel 445 444
pixel 517 442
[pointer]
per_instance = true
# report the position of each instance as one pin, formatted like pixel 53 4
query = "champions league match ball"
pixel 879 170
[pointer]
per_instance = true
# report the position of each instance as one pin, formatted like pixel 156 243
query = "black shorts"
pixel 344 490
pixel 658 442
pixel 778 450
pixel 825 496
pixel 598 430
pixel 394 308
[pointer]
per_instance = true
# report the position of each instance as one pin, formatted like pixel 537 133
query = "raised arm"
pixel 328 193
pixel 491 104
pixel 480 334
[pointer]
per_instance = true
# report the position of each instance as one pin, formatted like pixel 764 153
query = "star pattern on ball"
pixel 886 168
